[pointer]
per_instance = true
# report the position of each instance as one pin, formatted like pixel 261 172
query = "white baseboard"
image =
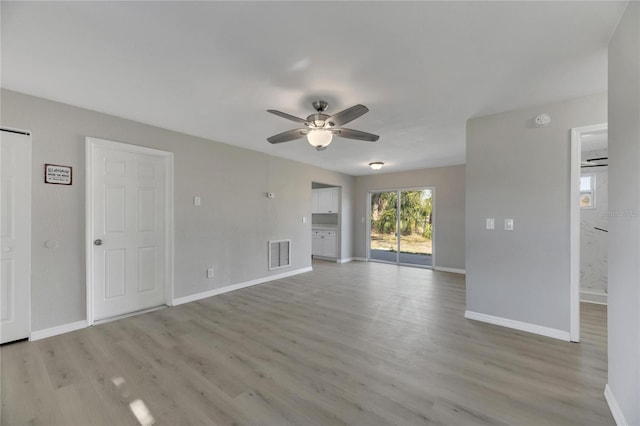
pixel 616 412
pixel 518 325
pixel 60 329
pixel 232 287
pixel 593 296
pixel 345 260
pixel 328 259
pixel 452 270
pixel 360 259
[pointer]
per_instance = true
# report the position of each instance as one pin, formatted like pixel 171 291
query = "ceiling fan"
pixel 320 127
pixel 594 162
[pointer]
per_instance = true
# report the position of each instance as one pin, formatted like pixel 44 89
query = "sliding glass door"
pixel 384 225
pixel 401 227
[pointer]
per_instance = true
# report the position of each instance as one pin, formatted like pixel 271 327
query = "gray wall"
pixel 229 232
pixel 624 223
pixel 517 171
pixel 448 213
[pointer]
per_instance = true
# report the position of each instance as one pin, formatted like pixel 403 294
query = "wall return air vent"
pixel 279 254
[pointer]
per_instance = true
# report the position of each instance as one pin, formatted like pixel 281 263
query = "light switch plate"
pixel 197 201
pixel 508 224
pixel 491 223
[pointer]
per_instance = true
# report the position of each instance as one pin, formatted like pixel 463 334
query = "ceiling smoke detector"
pixel 543 120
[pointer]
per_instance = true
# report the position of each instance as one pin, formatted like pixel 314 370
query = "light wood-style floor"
pixel 357 343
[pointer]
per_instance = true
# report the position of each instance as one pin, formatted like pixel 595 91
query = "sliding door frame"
pixel 398 191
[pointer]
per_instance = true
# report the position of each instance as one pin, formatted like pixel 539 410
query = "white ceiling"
pixel 211 69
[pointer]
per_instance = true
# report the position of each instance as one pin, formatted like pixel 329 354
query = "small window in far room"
pixel 588 191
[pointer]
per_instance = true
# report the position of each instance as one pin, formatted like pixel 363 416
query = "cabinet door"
pixel 333 203
pixel 317 246
pixel 315 201
pixel 330 248
pixel 325 201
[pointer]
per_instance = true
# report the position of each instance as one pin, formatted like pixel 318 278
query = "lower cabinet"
pixel 324 244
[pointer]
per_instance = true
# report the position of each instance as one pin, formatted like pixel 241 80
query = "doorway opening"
pixel 588 220
pixel 325 221
pixel 401 227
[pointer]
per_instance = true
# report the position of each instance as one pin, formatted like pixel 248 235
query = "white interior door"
pixel 128 227
pixel 15 206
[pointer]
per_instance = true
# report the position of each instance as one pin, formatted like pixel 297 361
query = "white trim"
pixel 232 287
pixel 29 221
pixel 360 259
pixel 518 325
pixel 434 228
pixel 593 296
pixel 616 412
pixel 452 270
pixel 60 329
pixel 345 260
pixel 574 226
pixel 327 258
pixel 90 143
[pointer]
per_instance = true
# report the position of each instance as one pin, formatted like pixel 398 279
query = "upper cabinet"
pixel 325 200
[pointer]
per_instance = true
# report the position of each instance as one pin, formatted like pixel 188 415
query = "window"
pixel 588 191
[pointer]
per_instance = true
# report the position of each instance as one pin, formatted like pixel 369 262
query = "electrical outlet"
pixel 197 201
pixel 508 224
pixel 210 273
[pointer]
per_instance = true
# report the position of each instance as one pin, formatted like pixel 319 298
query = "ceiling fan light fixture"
pixel 319 138
pixel 376 165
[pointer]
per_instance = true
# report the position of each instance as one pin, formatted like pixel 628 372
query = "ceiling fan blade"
pixel 355 134
pixel 288 116
pixel 289 135
pixel 347 115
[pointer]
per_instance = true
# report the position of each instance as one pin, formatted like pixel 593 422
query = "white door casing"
pixel 129 228
pixel 574 226
pixel 15 208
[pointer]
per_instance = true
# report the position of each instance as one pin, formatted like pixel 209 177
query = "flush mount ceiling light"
pixel 320 139
pixel 376 165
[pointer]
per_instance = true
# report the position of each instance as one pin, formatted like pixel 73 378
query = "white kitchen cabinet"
pixel 317 244
pixel 325 200
pixel 329 246
pixel 324 243
pixel 315 200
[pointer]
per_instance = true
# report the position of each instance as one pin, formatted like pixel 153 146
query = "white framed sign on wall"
pixel 58 175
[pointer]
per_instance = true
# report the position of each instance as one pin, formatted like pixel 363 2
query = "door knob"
pixel 98 242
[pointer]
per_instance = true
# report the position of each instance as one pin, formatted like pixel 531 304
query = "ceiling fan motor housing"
pixel 318 120
pixel 320 106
